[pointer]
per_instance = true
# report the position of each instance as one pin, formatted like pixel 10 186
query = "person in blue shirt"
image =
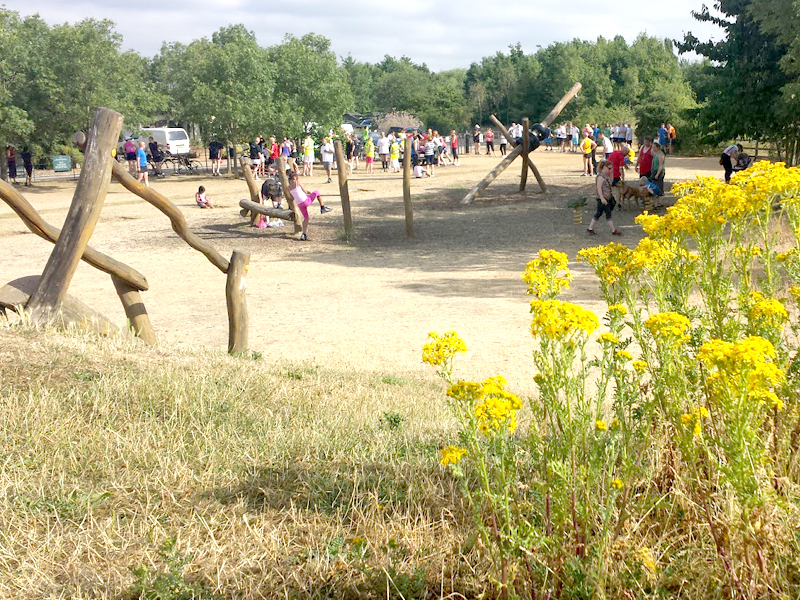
pixel 141 163
pixel 662 135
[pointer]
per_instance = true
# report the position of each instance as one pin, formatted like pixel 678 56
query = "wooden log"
pixel 298 227
pixel 343 189
pixel 40 227
pixel 526 148
pixel 492 175
pixel 71 311
pixel 260 209
pixel 82 216
pixel 255 193
pixel 175 216
pixel 236 298
pixel 135 310
pixel 527 157
pixel 553 115
pixel 407 188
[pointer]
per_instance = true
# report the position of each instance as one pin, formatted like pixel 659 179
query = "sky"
pixel 442 34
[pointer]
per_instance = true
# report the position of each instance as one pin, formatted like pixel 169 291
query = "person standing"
pixel 141 162
pixel 587 149
pixel 156 155
pixel 383 150
pixel 308 156
pixel 670 137
pixel 605 198
pixel 256 156
pixel 430 156
pixel 27 161
pixel 644 161
pixel 489 137
pixel 476 139
pixel 369 154
pixel 326 152
pixel 657 168
pixel 213 154
pixel 503 144
pixel 454 147
pixel 11 161
pixel 608 146
pixel 662 135
pixel 130 154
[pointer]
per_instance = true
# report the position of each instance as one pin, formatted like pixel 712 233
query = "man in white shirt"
pixel 326 152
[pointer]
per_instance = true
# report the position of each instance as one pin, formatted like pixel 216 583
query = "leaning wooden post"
pixel 407 188
pixel 82 216
pixel 492 175
pixel 526 148
pixel 135 310
pixel 343 189
pixel 236 297
pixel 281 164
pixel 561 104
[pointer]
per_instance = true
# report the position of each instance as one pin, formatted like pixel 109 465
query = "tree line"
pixel 230 88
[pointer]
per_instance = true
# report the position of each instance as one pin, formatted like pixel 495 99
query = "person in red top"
pixel 645 159
pixel 274 152
pixel 454 147
pixel 489 137
pixel 617 158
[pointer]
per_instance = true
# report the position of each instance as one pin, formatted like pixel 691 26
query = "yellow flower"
pixel 617 484
pixel 624 355
pixel 608 338
pixel 669 327
pixel 695 419
pixel 766 313
pixel 441 349
pixel 639 365
pixel 645 558
pixel 561 320
pixel 795 292
pixel 452 455
pixel 547 274
pixel 600 425
pixel 615 424
pixel 617 310
pixel 495 407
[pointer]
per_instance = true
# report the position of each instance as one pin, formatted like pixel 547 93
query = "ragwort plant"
pixel 675 442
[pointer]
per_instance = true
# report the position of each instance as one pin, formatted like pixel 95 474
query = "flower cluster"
pixel 495 408
pixel 766 313
pixel 441 349
pixel 669 327
pixel 745 366
pixel 613 262
pixel 547 275
pixel 561 321
pixel 694 419
pixel 451 455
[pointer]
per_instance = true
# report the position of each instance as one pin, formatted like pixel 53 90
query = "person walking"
pixel 605 198
pixel 454 147
pixel 489 137
pixel 141 160
pixel 27 162
pixel 308 156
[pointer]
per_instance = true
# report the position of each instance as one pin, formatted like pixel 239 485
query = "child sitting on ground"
pixel 304 200
pixel 200 198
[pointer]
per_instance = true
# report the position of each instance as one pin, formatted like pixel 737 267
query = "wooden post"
pixel 255 193
pixel 561 104
pixel 236 297
pixel 82 216
pixel 407 188
pixel 135 310
pixel 527 157
pixel 492 175
pixel 343 189
pixel 281 164
pixel 526 148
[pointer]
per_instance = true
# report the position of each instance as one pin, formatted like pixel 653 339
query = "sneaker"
pixel 324 209
pixel 616 232
pixel 590 232
pixel 279 206
pixel 329 180
pixel 303 237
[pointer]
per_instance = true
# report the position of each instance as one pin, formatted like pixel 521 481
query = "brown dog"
pixel 632 191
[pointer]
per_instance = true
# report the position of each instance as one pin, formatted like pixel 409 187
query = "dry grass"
pixel 275 480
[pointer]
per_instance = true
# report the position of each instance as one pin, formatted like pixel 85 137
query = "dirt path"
pixel 368 305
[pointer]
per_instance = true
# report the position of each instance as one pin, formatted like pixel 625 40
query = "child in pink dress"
pixel 304 200
pixel 200 198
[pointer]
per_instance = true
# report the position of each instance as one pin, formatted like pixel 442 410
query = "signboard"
pixel 62 162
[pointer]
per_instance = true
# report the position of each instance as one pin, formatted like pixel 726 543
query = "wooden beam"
pixel 82 216
pixel 553 115
pixel 236 299
pixel 135 310
pixel 174 214
pixel 343 188
pixel 526 148
pixel 260 209
pixel 281 164
pixel 43 229
pixel 492 175
pixel 407 188
pixel 255 193
pixel 527 157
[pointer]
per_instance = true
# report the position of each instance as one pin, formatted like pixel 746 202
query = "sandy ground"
pixel 367 305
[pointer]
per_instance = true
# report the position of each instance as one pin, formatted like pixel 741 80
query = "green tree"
pixel 311 87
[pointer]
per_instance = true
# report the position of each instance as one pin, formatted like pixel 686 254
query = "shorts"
pixel 308 159
pixel 255 161
pixel 327 164
pixel 370 160
pixel 605 209
pixel 303 206
pixel 430 159
pixel 395 163
pixel 130 156
pixel 213 155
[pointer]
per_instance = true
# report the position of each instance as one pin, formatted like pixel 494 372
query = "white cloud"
pixel 442 35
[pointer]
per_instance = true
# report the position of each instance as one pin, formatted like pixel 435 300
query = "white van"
pixel 171 139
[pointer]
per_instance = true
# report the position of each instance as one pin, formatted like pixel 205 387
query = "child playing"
pixel 304 200
pixel 605 198
pixel 200 198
